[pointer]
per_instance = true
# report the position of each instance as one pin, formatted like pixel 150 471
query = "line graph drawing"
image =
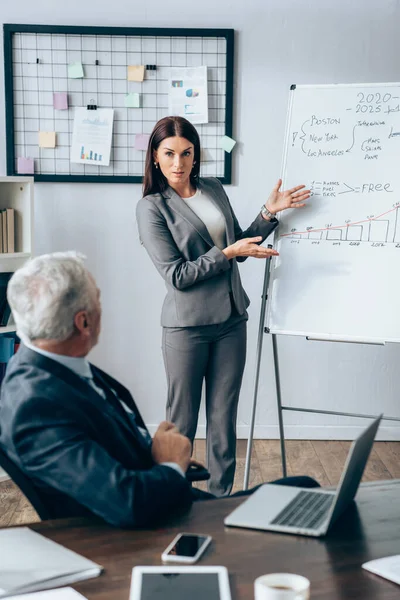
pixel 372 229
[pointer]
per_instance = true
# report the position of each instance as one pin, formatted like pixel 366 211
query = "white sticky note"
pixel 135 72
pixel 75 70
pixel 132 100
pixel 47 139
pixel 227 143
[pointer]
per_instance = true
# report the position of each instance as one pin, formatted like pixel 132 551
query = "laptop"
pixel 303 511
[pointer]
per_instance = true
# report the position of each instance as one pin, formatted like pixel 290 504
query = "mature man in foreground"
pixel 71 428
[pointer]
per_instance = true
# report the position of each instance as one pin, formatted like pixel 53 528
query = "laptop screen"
pixel 353 470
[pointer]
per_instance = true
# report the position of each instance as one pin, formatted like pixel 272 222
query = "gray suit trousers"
pixel 215 354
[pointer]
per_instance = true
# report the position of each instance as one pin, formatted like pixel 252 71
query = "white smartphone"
pixel 186 548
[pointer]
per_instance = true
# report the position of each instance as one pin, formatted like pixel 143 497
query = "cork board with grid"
pixel 36 66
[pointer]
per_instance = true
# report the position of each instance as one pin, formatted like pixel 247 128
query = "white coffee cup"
pixel 281 586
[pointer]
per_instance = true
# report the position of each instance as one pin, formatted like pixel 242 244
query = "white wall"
pixel 278 42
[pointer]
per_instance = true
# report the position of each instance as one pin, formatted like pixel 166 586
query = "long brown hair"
pixel 154 181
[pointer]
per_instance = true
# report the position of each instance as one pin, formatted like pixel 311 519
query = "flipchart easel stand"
pixel 262 330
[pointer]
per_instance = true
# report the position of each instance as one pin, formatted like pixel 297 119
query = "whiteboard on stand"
pixel 338 273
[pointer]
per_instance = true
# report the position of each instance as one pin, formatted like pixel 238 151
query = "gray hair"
pixel 46 294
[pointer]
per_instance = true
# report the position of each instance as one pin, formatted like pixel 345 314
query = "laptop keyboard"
pixel 307 510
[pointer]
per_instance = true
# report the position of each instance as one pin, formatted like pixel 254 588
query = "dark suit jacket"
pixel 198 276
pixel 80 452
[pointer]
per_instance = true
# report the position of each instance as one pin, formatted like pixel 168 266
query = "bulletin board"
pixel 36 66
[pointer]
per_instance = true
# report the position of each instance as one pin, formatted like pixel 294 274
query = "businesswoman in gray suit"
pixel 190 231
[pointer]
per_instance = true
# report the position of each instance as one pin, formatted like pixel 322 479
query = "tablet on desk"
pixel 180 583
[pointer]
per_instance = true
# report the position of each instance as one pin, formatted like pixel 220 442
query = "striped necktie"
pixel 110 396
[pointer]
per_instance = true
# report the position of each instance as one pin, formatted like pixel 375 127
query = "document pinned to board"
pixel 188 93
pixel 92 136
pixel 31 562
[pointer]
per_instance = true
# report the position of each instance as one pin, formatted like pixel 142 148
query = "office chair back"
pixel 24 484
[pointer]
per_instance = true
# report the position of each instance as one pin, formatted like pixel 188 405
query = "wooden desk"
pixel 370 529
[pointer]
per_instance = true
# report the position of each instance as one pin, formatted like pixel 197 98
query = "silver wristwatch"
pixel 267 213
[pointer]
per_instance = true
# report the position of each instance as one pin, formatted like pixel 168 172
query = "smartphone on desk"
pixel 186 548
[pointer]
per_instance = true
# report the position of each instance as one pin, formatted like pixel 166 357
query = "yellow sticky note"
pixel 47 139
pixel 135 72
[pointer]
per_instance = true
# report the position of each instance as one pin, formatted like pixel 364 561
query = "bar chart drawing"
pixel 384 228
pixel 396 236
pixel 378 231
pixel 334 234
pixel 354 233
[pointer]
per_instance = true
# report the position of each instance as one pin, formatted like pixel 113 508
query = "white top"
pixel 202 205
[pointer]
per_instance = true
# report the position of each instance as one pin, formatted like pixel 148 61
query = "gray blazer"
pixel 198 276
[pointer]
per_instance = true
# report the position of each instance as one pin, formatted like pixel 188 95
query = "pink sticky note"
pixel 141 141
pixel 25 166
pixel 60 100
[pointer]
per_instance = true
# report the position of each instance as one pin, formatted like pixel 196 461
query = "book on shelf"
pixel 10 230
pixel 4 222
pixel 7 230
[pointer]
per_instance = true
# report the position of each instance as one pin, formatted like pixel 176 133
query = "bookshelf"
pixel 17 193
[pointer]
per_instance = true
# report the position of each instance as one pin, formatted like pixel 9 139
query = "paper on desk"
pixel 58 594
pixel 387 567
pixel 30 562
